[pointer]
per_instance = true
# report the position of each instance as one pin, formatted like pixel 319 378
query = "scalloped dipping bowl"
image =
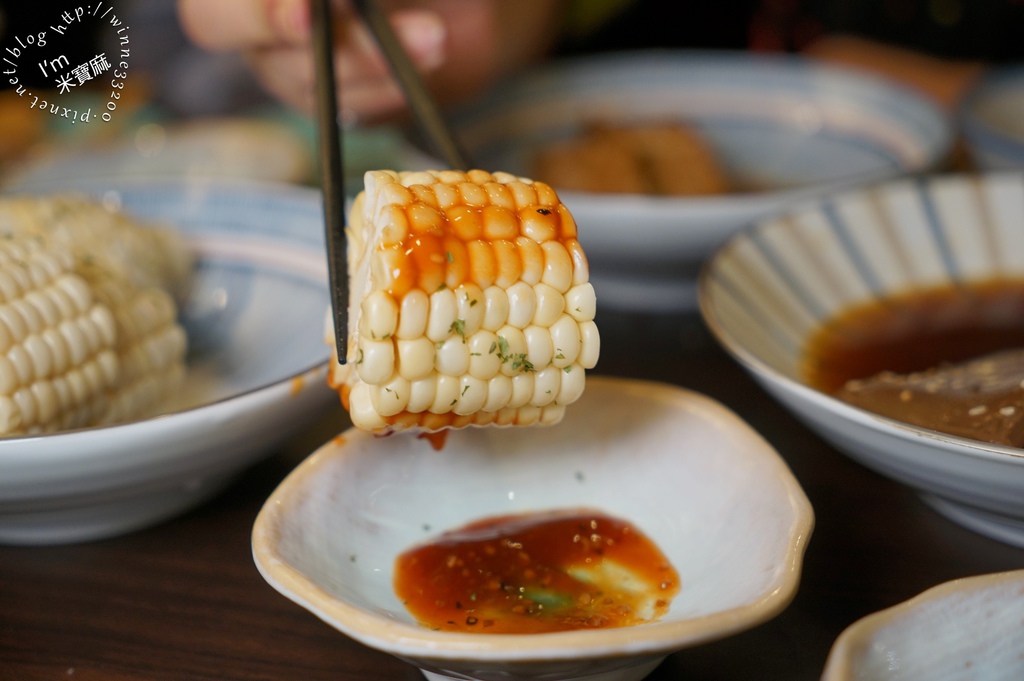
pixel 701 484
pixel 256 369
pixel 770 287
pixel 966 629
pixel 793 127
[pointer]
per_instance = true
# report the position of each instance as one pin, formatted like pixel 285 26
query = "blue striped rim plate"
pixel 797 127
pixel 773 284
pixel 256 368
pixel 989 116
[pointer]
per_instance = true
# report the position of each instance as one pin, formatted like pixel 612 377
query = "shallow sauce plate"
pixel 704 487
pixel 256 369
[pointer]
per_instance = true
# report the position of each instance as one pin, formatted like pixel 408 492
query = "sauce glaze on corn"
pixel 470 303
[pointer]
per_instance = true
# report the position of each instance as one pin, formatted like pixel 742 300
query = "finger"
pixel 243 24
pixel 288 75
pixel 422 34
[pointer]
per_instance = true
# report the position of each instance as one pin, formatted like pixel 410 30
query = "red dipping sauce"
pixel 536 573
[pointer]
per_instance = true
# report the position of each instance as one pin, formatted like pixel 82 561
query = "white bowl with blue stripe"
pixel 256 368
pixel 991 122
pixel 767 290
pixel 797 127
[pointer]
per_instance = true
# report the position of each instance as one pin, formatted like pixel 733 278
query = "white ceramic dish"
pixel 962 630
pixel 257 370
pixel 710 492
pixel 798 127
pixel 766 291
pixel 255 149
pixel 991 122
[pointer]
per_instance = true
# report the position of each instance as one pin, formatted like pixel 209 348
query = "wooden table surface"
pixel 183 600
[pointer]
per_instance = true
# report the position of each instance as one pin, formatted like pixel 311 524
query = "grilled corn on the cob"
pixel 88 330
pixel 470 303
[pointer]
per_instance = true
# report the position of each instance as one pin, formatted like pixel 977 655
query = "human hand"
pixel 461 46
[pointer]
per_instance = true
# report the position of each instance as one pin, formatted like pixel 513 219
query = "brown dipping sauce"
pixel 536 573
pixel 934 358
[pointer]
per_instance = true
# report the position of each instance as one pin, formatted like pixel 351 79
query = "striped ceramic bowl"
pixel 766 291
pixel 990 119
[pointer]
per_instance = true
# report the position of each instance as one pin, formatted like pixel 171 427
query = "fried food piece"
pixel 663 159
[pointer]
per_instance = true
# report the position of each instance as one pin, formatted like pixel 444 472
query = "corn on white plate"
pixel 708 490
pixel 256 369
pixel 795 127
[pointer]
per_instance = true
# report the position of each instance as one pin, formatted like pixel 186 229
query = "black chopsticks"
pixel 425 110
pixel 332 178
pixel 420 100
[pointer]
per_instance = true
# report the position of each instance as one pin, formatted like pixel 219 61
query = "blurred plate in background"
pixel 248 148
pixel 790 127
pixel 990 117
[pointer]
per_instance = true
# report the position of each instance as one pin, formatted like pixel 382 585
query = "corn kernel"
pixel 565 336
pixel 532 258
pixel 557 266
pixel 590 345
pixel 539 346
pixel 446 394
pixel 522 390
pixel 452 357
pixel 499 392
pixel 483 265
pixel 550 305
pixel 472 395
pixel 470 301
pixel 376 361
pixel 572 384
pixel 495 308
pixel 379 318
pixel 484 362
pixel 412 316
pixel 545 385
pixel 415 358
pixel 421 393
pixel 522 304
pixel 443 313
pixel 581 302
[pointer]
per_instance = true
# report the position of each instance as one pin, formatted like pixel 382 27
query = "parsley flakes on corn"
pixel 470 303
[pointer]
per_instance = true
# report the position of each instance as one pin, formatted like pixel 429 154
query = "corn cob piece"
pixel 470 303
pixel 103 236
pixel 86 338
